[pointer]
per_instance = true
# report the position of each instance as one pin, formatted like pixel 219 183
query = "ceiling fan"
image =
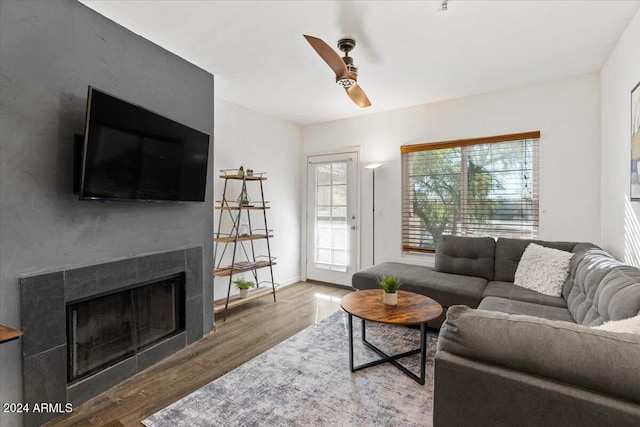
pixel 346 72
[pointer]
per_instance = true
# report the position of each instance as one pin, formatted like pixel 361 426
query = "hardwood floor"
pixel 248 331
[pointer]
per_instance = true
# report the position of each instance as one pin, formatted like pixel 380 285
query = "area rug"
pixel 305 381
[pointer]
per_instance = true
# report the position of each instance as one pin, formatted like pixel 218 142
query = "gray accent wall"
pixel 50 51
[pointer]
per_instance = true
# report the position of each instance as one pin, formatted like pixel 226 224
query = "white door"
pixel 332 217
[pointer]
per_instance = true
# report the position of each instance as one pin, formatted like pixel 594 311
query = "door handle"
pixel 353 227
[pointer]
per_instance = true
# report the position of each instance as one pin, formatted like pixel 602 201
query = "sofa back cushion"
pixel 468 256
pixel 570 354
pixel 601 289
pixel 509 251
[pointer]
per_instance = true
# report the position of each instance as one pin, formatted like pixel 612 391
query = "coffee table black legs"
pixel 393 359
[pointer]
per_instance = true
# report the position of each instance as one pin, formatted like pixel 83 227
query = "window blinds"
pixel 474 187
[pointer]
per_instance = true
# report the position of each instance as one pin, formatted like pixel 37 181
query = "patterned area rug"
pixel 305 381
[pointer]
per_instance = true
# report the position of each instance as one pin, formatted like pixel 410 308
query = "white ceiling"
pixel 408 52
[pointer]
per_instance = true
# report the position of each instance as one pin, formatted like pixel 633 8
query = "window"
pixel 474 187
pixel 332 233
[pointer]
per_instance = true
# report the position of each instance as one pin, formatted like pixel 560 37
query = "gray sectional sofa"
pixel 472 271
pixel 509 356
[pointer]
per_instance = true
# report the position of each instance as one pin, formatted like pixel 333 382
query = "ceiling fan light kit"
pixel 346 72
pixel 346 82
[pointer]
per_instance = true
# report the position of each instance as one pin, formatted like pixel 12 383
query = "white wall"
pixel 567 112
pixel 621 72
pixel 264 144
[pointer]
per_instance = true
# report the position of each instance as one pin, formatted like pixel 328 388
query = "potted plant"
pixel 389 285
pixel 249 172
pixel 243 198
pixel 241 171
pixel 244 286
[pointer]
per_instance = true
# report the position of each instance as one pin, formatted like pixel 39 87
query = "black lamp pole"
pixel 373 168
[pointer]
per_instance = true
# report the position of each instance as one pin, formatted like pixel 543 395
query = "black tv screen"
pixel 132 154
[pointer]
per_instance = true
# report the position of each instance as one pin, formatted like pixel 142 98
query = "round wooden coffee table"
pixel 412 309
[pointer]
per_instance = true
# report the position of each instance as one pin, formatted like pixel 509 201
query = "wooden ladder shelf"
pixel 232 244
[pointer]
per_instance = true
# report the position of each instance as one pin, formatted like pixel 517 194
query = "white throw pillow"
pixel 628 326
pixel 543 269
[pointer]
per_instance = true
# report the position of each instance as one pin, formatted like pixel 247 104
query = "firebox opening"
pixel 105 330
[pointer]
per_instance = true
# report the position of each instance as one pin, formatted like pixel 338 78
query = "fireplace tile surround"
pixel 43 303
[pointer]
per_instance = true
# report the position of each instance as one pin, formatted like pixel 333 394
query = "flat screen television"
pixel 132 154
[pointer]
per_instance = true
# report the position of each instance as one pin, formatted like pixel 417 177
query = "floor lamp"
pixel 373 167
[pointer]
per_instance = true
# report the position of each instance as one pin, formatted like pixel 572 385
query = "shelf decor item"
pixel 390 286
pixel 243 198
pixel 243 286
pixel 244 229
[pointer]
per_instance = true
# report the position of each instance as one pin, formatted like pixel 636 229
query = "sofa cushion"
pixel 447 289
pixel 509 251
pixel 467 256
pixel 568 353
pixel 600 289
pixel 510 291
pixel 526 309
pixel 543 269
pixel 601 264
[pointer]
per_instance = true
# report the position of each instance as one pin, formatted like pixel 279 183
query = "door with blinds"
pixel 332 222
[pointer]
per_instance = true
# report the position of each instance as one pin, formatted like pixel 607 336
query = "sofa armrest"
pixel 600 361
pixel 469 393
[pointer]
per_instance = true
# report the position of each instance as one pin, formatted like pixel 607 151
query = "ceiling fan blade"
pixel 329 55
pixel 358 96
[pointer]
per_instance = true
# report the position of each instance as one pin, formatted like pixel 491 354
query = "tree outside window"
pixel 462 188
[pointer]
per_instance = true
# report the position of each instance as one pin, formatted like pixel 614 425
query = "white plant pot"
pixel 244 293
pixel 390 298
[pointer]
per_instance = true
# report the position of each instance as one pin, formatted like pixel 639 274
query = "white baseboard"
pixel 289 281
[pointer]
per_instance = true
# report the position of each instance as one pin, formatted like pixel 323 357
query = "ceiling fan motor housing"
pixel 348 61
pixel 346 45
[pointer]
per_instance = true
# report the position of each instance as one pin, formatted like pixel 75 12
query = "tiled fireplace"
pixel 104 330
pixel 89 328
